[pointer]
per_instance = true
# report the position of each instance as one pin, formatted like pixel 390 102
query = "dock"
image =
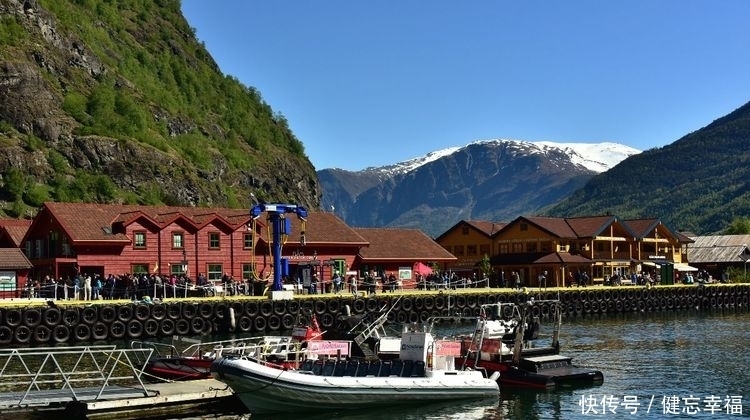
pixel 91 382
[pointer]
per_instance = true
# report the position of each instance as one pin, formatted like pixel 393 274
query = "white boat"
pixel 425 372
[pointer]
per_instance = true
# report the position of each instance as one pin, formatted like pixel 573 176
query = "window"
pixel 517 247
pixel 531 247
pixel 139 268
pixel 504 249
pixel 471 250
pixel 178 240
pixel 247 271
pixel 484 249
pixel 177 269
pixel 524 227
pixel 213 240
pixel 465 230
pixel 458 250
pixel 248 240
pixel 215 271
pixel 139 239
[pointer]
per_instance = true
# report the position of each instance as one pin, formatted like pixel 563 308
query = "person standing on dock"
pixel 543 280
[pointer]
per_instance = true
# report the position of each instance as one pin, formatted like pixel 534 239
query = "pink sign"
pixel 328 348
pixel 447 348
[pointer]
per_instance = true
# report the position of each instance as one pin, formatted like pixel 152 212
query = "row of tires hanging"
pixel 47 325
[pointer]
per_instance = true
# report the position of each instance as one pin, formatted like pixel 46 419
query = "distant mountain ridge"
pixel 488 180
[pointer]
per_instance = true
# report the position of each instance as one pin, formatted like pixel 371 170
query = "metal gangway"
pixel 55 376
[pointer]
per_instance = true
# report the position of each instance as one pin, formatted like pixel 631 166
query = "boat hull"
pixel 268 390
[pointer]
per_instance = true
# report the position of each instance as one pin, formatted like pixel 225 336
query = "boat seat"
pixel 363 368
pixel 351 368
pixel 385 368
pixel 418 370
pixel 408 368
pixel 374 369
pixel 317 368
pixel 329 367
pixel 307 365
pixel 397 366
pixel 340 369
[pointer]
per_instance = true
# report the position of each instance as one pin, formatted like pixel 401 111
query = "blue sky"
pixel 372 83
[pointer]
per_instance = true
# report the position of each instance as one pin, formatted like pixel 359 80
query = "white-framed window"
pixel 139 239
pixel 215 271
pixel 178 240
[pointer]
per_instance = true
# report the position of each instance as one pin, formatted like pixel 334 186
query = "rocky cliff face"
pixel 52 131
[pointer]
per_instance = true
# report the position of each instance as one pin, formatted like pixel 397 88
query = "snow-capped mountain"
pixel 488 180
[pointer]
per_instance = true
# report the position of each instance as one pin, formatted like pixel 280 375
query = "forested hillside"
pixel 699 183
pixel 116 101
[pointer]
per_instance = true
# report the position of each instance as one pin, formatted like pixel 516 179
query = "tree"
pixel 739 226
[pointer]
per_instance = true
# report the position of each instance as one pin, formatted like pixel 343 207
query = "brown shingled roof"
pixel 488 228
pixel 13 259
pixel 16 229
pixel 589 227
pixel 554 225
pixel 323 228
pixel 394 244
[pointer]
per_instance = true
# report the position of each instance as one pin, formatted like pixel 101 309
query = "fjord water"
pixel 647 358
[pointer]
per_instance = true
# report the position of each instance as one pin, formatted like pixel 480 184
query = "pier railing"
pixel 41 375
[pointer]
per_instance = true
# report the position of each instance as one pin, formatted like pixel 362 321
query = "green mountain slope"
pixel 698 183
pixel 116 101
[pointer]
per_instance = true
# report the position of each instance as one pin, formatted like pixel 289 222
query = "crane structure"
pixel 281 226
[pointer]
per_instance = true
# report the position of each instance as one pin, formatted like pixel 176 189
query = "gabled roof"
pixel 16 229
pixel 555 226
pixel 589 227
pixel 718 248
pixel 482 226
pixel 322 228
pixel 13 259
pixel 394 244
pixel 91 222
pixel 642 227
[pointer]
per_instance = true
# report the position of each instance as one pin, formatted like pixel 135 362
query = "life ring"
pixel 174 311
pixel 292 307
pixel 117 329
pixel 288 321
pixel 32 317
pixel 245 323
pixel 251 309
pixel 418 303
pixel 439 302
pixel 266 308
pixel 429 303
pixel 42 334
pixel 197 324
pixel 99 331
pixel 61 333
pixel 151 327
pixel 182 326
pixel 260 324
pixel 206 310
pixel 89 315
pixel 371 305
pixel 333 306
pixel 406 304
pixel 359 306
pixel 51 316
pixel 6 334
pixel 134 328
pixel 13 317
pixel 279 307
pixel 274 322
pixel 124 313
pixel 158 312
pixel 320 307
pixel 107 314
pixel 82 332
pixel 22 334
pixel 460 302
pixel 71 317
pixel 189 310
